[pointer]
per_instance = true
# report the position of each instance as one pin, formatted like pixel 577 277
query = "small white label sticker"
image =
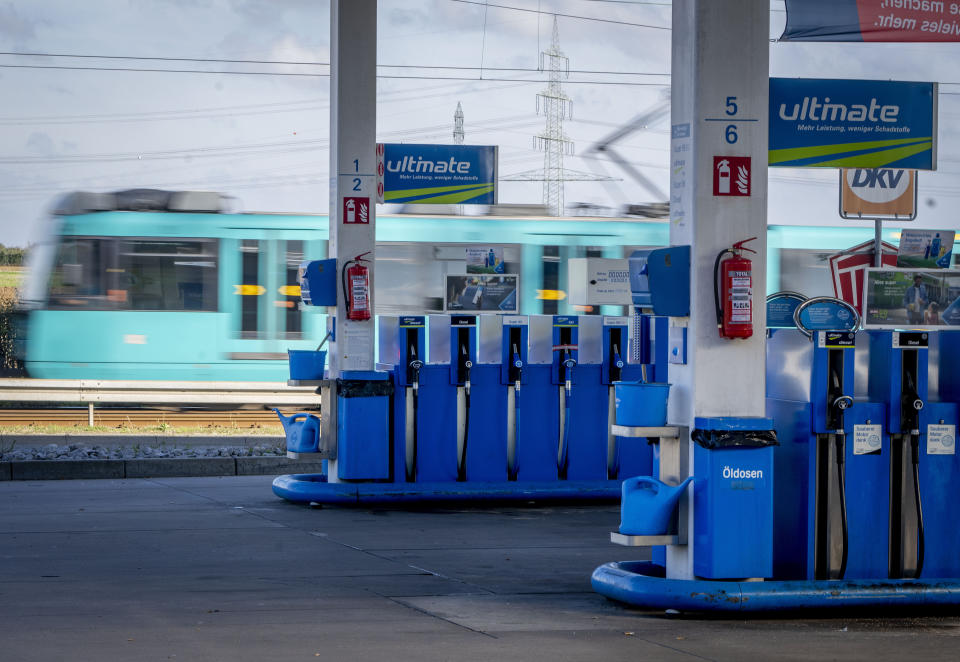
pixel 615 321
pixel 514 320
pixel 941 439
pixel 866 439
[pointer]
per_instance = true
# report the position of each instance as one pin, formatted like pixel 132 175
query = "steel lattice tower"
pixel 555 106
pixel 458 126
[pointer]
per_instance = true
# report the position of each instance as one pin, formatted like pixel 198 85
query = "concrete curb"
pixel 154 468
pixel 47 469
pixel 180 466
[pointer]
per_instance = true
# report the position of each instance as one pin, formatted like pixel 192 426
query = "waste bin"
pixel 733 497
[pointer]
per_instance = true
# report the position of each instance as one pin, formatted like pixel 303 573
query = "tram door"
pixel 265 313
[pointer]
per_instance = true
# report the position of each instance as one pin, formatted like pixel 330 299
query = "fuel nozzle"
pixel 415 366
pixel 842 403
pixel 911 404
pixel 839 403
pixel 568 363
pixel 467 364
pixel 617 367
pixel 517 365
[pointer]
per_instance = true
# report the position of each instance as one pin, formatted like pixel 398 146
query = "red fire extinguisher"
pixel 356 288
pixel 734 301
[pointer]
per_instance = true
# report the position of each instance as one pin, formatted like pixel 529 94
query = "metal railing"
pixel 100 391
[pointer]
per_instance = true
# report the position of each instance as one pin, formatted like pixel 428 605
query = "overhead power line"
pixel 250 109
pixel 582 18
pixel 436 67
pixel 318 75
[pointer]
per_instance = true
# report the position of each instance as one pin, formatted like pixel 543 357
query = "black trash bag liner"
pixel 720 439
pixel 364 388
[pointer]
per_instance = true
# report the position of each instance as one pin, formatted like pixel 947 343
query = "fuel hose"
pixel 513 465
pixel 915 457
pixel 563 459
pixel 842 489
pixel 462 464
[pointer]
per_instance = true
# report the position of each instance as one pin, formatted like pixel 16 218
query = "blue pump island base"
pixel 314 488
pixel 642 584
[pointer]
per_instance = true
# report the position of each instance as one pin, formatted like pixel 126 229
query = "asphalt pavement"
pixel 218 568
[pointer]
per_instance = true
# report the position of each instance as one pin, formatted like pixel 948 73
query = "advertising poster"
pixel 822 123
pixel 911 298
pixel 925 249
pixel 849 269
pixel 484 260
pixel 871 20
pixel 478 293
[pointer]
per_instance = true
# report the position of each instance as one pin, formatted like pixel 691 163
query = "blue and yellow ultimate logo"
pixel 852 124
pixel 440 174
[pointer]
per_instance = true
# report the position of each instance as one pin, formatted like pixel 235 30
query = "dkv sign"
pixel 878 193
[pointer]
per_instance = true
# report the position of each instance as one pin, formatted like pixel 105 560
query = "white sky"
pixel 263 138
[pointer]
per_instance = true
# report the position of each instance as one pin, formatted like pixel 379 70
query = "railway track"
pixel 143 417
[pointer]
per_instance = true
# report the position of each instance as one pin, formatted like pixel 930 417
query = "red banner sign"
pixel 872 20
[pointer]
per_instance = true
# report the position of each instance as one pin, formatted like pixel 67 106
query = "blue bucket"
pixel 306 364
pixel 641 404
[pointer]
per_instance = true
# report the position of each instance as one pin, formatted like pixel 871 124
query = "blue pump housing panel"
pixel 639 279
pixel 669 274
pixel 886 383
pixel 318 282
pixel 660 279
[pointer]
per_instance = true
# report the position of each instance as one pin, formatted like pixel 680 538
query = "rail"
pixel 98 391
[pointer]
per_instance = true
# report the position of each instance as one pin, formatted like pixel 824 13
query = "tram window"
pixel 551 277
pixel 81 276
pixel 291 291
pixel 167 274
pixel 250 288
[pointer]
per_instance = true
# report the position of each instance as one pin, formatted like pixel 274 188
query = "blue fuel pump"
pixel 899 371
pixel 483 451
pixel 633 457
pixel 402 345
pixel 513 359
pixel 565 351
pixel 939 470
pixel 831 488
pixel 578 367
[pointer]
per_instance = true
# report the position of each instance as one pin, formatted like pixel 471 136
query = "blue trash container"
pixel 733 497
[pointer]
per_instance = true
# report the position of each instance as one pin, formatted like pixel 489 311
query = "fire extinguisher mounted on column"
pixel 355 281
pixel 733 291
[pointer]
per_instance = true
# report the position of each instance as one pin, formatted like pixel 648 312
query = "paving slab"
pixel 218 568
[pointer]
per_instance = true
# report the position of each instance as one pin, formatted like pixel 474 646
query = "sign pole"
pixel 877 242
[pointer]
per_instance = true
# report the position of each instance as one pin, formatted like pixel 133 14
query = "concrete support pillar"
pixel 353 128
pixel 720 73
